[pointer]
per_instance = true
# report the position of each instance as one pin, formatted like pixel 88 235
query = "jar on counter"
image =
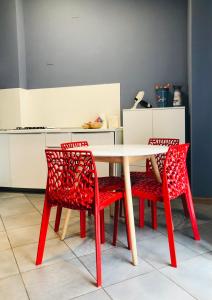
pixel 162 95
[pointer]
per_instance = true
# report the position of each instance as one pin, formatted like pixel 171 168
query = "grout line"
pixel 16 262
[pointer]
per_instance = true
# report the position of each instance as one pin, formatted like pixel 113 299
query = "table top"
pixel 124 150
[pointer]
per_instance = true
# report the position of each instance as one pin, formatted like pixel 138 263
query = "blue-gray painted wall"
pixel 21 44
pixel 9 67
pixel 137 43
pixel 201 102
pixel 77 42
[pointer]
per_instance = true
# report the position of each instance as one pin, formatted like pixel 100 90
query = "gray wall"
pixel 201 73
pixel 21 44
pixel 137 43
pixel 9 69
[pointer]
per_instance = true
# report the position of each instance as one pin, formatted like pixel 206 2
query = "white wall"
pixel 10 116
pixel 58 107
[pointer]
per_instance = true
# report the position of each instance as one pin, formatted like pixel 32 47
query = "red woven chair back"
pixel 175 177
pixel 160 158
pixel 70 145
pixel 72 178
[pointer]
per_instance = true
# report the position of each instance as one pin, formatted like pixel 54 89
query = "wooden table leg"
pixel 65 226
pixel 129 207
pixel 112 173
pixel 155 168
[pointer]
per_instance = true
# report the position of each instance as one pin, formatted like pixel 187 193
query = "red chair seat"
pixel 137 176
pixel 83 199
pixel 111 183
pixel 148 189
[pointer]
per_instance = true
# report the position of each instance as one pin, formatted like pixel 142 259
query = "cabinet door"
pixel 55 139
pixel 4 161
pixel 97 138
pixel 137 126
pixel 27 160
pixel 137 130
pixel 169 123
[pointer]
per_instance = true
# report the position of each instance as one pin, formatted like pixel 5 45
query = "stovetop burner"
pixel 30 127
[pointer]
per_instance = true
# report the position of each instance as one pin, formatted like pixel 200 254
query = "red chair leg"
pixel 98 249
pixel 141 212
pixel 192 214
pixel 43 232
pixel 82 223
pixel 170 231
pixel 102 226
pixel 116 220
pixel 58 217
pixel 154 215
pixel 127 227
pixel 185 208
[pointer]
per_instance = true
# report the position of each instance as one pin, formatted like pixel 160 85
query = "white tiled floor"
pixel 68 269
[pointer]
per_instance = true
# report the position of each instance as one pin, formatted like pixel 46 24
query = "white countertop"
pixel 56 130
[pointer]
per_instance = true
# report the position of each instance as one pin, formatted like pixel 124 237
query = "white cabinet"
pixel 22 155
pixel 103 138
pixel 141 124
pixel 137 126
pixel 5 179
pixel 169 123
pixel 55 139
pixel 27 160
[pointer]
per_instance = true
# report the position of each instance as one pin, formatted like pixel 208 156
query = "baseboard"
pixel 202 199
pixel 22 190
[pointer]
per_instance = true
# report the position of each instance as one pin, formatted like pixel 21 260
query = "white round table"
pixel 125 154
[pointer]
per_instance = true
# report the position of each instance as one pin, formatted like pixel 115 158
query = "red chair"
pixel 175 183
pixel 135 176
pixel 110 183
pixel 72 183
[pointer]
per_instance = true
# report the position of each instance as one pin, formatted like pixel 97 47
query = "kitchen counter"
pixel 58 130
pixel 22 152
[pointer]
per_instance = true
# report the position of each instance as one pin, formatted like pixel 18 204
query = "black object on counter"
pixel 145 104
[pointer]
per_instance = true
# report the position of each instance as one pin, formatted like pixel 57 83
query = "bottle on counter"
pixel 177 99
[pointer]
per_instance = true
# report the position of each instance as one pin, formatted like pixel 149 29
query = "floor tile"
pixel 1 225
pixel 86 245
pixel 208 255
pixel 141 233
pixel 27 235
pixel 116 265
pixel 53 213
pixel 204 245
pixel 12 288
pixel 186 238
pixel 4 243
pixel 14 206
pixel 55 251
pixel 8 265
pixel 149 287
pixel 10 195
pixel 156 251
pixel 62 281
pixel 37 201
pixel 194 275
pixel 73 228
pixel 98 295
pixel 22 220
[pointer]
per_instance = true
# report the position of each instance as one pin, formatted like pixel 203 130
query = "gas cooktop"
pixel 30 127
